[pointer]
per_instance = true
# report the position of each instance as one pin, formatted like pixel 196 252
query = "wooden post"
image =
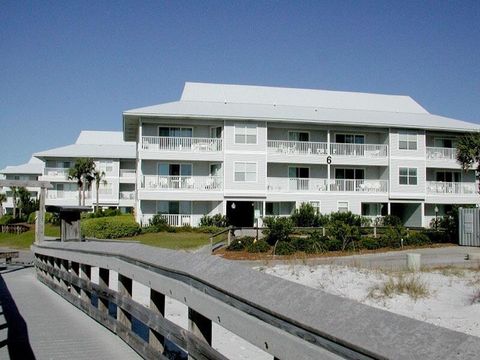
pixel 103 281
pixel 40 221
pixel 125 289
pixel 157 304
pixel 200 326
pixel 60 265
pixel 75 269
pixel 86 274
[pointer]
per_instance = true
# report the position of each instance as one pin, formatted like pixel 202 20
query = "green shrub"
pixel 208 229
pixel 417 239
pixel 240 244
pixel 259 246
pixel 159 223
pixel 278 229
pixel 343 232
pixel 101 213
pixel 345 217
pixel 6 219
pixel 110 227
pixel 217 220
pixel 438 236
pixel 393 235
pixel 333 244
pixel 370 243
pixel 52 218
pixel 391 220
pixel 284 248
pixel 306 216
pixel 313 244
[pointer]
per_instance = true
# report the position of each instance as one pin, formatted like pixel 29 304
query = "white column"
pixel 328 165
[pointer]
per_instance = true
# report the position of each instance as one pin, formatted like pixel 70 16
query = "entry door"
pixel 448 176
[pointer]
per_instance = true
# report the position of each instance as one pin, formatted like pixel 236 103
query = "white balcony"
pixel 322 185
pixel 451 188
pixel 441 153
pixel 56 172
pixel 63 194
pixel 127 173
pixel 175 219
pixel 127 195
pixel 374 151
pixel 182 183
pixel 182 144
pixel 296 147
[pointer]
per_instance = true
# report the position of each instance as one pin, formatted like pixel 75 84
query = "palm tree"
pixel 82 172
pixel 88 169
pixel 14 195
pixel 468 152
pixel 3 198
pixel 75 173
pixel 99 176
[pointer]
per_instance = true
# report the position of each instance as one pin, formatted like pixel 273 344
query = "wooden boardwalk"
pixel 36 323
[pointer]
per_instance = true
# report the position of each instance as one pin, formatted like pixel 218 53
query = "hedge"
pixel 110 227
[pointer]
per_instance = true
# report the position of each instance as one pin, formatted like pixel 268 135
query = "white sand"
pixel 448 305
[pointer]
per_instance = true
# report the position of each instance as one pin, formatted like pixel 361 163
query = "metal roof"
pixel 32 167
pixel 217 101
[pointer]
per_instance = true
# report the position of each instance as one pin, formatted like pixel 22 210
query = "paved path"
pixel 36 323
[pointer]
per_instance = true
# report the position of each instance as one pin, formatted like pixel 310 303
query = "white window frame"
pixel 350 168
pixel 410 138
pixel 318 209
pixel 344 202
pixel 245 163
pixel 245 126
pixel 408 176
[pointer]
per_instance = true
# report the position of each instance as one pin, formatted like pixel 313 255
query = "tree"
pixel 468 152
pixel 26 204
pixel 14 196
pixel 82 172
pixel 98 176
pixel 3 198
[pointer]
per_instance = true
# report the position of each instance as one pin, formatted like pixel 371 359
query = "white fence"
pixel 296 147
pixel 440 153
pixel 185 183
pixel 127 195
pixel 63 172
pixel 359 150
pixel 187 144
pixel 174 219
pixel 127 173
pixel 440 187
pixel 278 184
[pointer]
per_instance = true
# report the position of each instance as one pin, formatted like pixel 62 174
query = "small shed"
pixel 469 226
pixel 69 220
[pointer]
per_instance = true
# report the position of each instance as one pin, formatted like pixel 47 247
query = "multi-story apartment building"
pixel 28 171
pixel 250 152
pixel 111 154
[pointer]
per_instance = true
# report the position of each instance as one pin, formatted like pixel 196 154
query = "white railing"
pixel 441 153
pixel 65 194
pixel 359 150
pixel 440 187
pixel 296 147
pixel 175 219
pixel 63 172
pixel 127 195
pixel 128 173
pixel 320 185
pixel 185 183
pixel 186 144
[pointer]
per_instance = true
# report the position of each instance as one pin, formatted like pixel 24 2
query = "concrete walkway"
pixel 36 323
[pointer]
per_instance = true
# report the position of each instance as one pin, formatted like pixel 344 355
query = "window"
pixel 448 176
pixel 216 132
pixel 215 169
pixel 174 207
pixel 246 171
pixel 175 132
pixel 407 140
pixel 349 139
pixel 106 166
pixel 298 136
pixel 298 172
pixel 245 133
pixel 408 176
pixel 165 169
pixel 316 206
pixel 279 208
pixel 342 206
pixel 445 143
pixel 350 174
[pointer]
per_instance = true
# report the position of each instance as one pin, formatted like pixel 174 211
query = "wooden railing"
pixel 282 318
pixel 185 144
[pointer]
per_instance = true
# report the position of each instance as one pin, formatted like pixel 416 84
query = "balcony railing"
pixel 443 188
pixel 127 173
pixel 184 144
pixel 441 153
pixel 175 219
pixel 321 185
pixel 65 194
pixel 182 183
pixel 127 195
pixel 62 172
pixel 296 147
pixel 359 150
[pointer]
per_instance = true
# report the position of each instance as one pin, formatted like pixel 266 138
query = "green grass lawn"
pixel 176 241
pixel 24 240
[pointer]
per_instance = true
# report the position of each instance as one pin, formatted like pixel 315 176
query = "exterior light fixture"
pixel 233 206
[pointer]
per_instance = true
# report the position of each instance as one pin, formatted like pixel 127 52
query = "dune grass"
pixel 409 284
pixel 174 240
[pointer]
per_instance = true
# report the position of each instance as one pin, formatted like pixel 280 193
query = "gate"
pixel 469 226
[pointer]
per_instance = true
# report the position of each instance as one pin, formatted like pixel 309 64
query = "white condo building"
pixel 250 151
pixel 111 154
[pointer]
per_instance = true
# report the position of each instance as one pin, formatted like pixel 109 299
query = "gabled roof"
pixel 94 144
pixel 219 101
pixel 33 167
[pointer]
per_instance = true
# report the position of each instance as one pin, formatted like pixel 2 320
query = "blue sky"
pixel 67 66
